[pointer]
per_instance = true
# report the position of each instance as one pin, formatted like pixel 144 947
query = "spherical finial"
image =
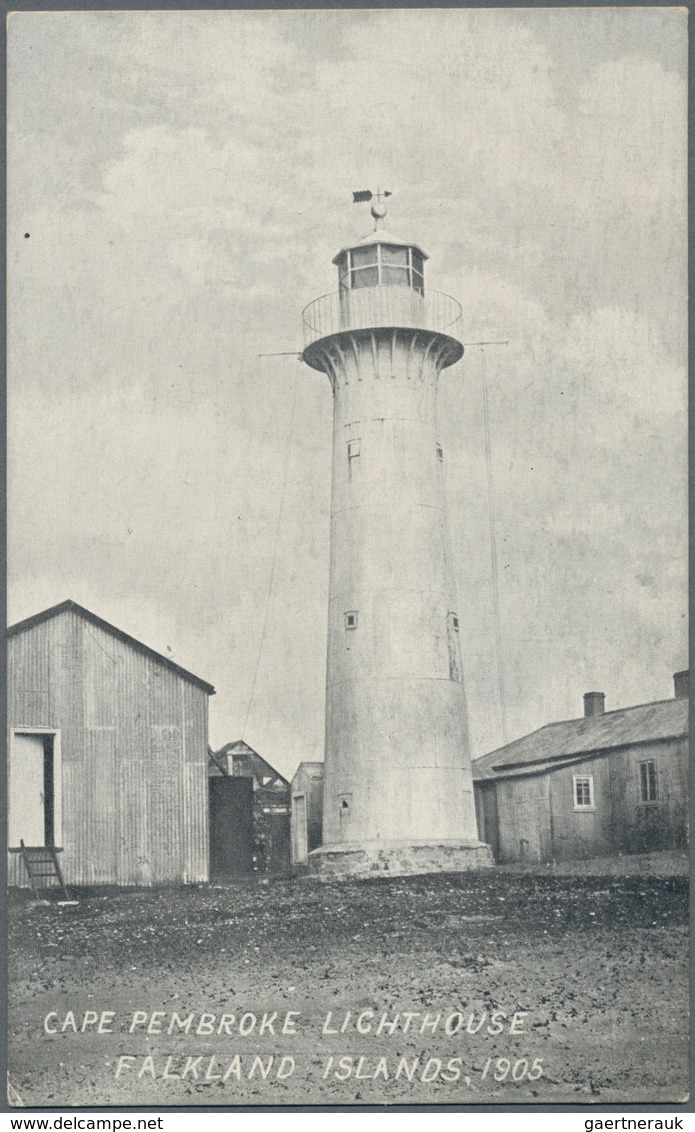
pixel 379 209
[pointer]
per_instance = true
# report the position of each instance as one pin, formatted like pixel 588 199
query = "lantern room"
pixel 381 260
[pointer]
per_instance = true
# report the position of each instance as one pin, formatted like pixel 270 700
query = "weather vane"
pixel 378 209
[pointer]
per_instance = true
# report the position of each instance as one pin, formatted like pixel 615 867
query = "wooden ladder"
pixel 41 864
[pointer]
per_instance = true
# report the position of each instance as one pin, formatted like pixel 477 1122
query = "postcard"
pixel 347 463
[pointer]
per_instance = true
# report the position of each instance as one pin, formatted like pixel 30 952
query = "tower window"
pixel 453 620
pixel 649 790
pixel 364 264
pixel 440 452
pixel 354 448
pixel 382 265
pixel 351 619
pixel 344 803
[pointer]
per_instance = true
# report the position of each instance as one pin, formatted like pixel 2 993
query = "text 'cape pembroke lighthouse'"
pixel 398 793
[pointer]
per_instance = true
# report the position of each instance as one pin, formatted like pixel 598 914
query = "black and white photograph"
pixel 347 669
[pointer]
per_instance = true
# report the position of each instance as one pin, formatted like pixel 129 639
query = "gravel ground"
pixel 509 989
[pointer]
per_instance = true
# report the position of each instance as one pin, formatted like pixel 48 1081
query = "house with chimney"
pixel 611 782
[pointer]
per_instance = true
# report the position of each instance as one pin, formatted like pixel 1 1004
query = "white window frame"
pixel 583 808
pixel 648 801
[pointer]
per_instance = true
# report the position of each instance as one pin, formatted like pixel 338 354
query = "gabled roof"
pixel 239 747
pixel 73 607
pixel 574 739
pixel 313 770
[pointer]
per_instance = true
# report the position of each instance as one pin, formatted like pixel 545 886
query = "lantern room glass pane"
pixel 418 264
pixel 364 257
pixel 367 277
pixel 418 283
pixel 394 255
pixel 395 276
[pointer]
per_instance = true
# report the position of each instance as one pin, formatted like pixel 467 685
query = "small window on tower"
pixel 353 448
pixel 351 619
pixel 344 803
pixel 440 452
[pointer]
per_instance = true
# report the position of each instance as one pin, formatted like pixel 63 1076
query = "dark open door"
pixel 277 831
pixel 231 827
pixel 490 832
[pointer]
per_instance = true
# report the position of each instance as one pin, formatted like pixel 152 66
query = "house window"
pixel 351 619
pixel 649 791
pixel 583 791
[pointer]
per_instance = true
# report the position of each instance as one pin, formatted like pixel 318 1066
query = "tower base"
pixel 398 858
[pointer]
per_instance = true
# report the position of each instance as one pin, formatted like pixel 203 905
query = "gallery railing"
pixel 368 307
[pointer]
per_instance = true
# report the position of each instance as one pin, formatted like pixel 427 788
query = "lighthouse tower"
pixel 398 793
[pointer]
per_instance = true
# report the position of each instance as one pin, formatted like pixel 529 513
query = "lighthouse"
pixel 398 792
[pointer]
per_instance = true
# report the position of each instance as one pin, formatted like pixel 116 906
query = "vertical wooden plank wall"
pixel 640 827
pixel 134 753
pixel 196 848
pixel 580 834
pixel 29 699
pixel 520 813
pixel 94 771
pixel 133 849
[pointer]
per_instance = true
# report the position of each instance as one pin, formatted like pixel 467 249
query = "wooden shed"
pixel 249 814
pixel 107 753
pixel 307 812
pixel 608 783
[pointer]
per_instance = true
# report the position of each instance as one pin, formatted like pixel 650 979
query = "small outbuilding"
pixel 307 812
pixel 107 753
pixel 608 783
pixel 249 814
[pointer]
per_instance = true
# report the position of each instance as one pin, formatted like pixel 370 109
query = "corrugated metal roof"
pixel 572 738
pixel 314 770
pixel 66 606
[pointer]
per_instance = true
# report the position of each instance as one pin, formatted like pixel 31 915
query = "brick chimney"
pixel 681 684
pixel 594 703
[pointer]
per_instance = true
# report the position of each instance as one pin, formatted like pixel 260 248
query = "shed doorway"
pixel 488 818
pixel 34 815
pixel 231 827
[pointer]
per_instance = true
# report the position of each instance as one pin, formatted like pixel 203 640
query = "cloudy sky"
pixel 178 184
